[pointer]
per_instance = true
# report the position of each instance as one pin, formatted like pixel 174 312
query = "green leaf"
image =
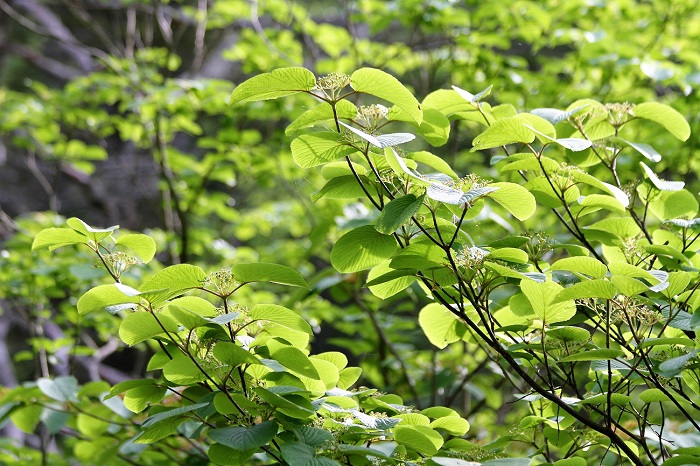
pixel 666 116
pixel 421 439
pixel 440 325
pixel 361 249
pixel 518 128
pixel 576 461
pixel 677 204
pixel 54 238
pixel 542 298
pixel 581 265
pixel 234 355
pixel 447 102
pixel 299 454
pixel 323 112
pixel 300 408
pixel 140 326
pixel 593 202
pixel 568 333
pixel 281 316
pixel 600 354
pixel 96 234
pixel 433 161
pixel 392 281
pixel 653 395
pixel 675 365
pixel 617 399
pixel 312 436
pixel 341 187
pixel 278 83
pixel 60 389
pixel 644 149
pixel 587 289
pixel 142 245
pixel 221 454
pixel 296 361
pixel 175 278
pixel 313 149
pixel 380 84
pixel 453 425
pixel 183 371
pixel 266 272
pixel 103 296
pixel 397 212
pixel 660 184
pixel 245 438
pixel 514 198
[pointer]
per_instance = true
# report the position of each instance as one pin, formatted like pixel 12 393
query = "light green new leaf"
pixel 142 245
pixel 140 326
pixel 440 325
pixel 361 249
pixel 313 149
pixel 593 202
pixel 674 204
pixel 447 102
pixel 245 438
pixel 54 238
pixel 600 354
pixel 175 277
pixel 103 296
pixel 666 116
pixel 278 83
pixel 515 199
pixel 421 439
pixel 383 85
pixel 581 265
pixel 267 272
pixel 542 295
pixel 504 132
pixel 397 212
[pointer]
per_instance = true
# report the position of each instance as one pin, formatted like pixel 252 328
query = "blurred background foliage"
pixel 115 111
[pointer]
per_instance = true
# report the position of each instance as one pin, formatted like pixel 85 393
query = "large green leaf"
pixel 299 408
pixel 440 325
pixel 516 199
pixel 323 112
pixel 600 354
pixel 384 281
pixel 267 272
pixel 96 234
pixel 421 439
pixel 398 212
pixel 542 298
pixel 313 149
pixel 281 316
pixel 341 187
pixel 278 83
pixel 175 277
pixel 140 326
pixel 54 238
pixel 142 245
pixel 361 249
pixel 234 355
pixel 184 371
pixel 660 184
pixel 666 116
pixel 383 85
pixel 102 297
pixel 296 361
pixel 60 389
pixel 587 289
pixel 581 265
pixel 245 438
